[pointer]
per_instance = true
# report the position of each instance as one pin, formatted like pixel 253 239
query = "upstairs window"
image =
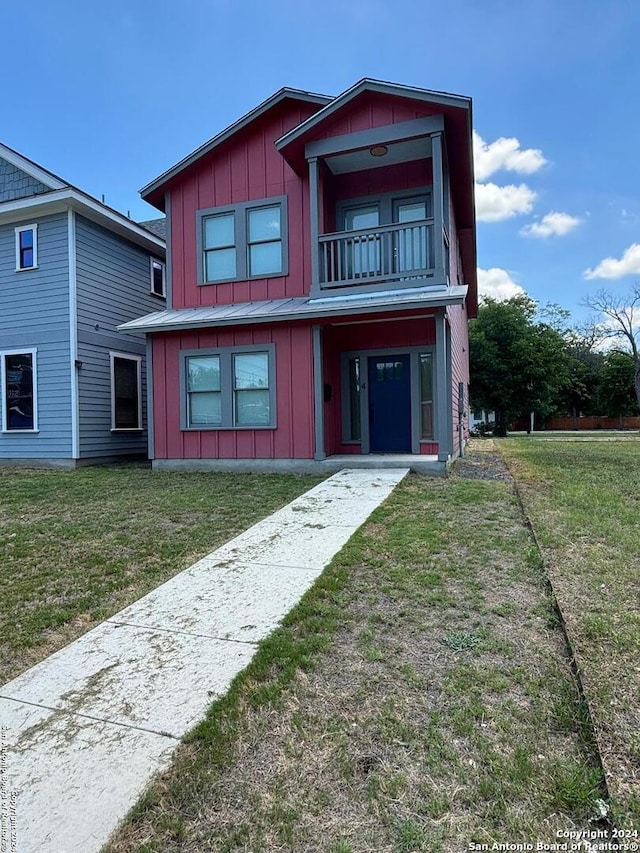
pixel 265 241
pixel 26 247
pixel 126 391
pixel 19 409
pixel 243 241
pixel 220 262
pixel 157 278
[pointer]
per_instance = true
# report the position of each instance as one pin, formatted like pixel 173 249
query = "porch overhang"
pixel 297 309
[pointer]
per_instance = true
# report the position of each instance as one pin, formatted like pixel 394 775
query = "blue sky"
pixel 110 95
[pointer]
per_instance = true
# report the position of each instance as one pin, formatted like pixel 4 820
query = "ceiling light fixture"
pixel 378 150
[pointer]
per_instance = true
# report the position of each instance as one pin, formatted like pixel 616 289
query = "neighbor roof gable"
pixel 40 176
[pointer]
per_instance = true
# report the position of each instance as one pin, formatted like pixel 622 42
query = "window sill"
pixel 214 428
pixel 20 431
pixel 127 429
pixel 265 277
pixel 26 269
pixel 158 295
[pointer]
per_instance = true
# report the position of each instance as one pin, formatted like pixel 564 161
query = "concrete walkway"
pixel 84 731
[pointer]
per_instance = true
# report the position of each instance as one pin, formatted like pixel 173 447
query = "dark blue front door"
pixel 389 404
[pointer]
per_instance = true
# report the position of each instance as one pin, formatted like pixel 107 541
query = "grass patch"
pixel 357 727
pixel 583 499
pixel 78 546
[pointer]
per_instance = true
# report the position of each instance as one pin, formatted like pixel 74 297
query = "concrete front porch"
pixel 422 463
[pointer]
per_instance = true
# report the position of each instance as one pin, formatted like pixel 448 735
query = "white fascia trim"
pixel 31 168
pixel 91 208
pixel 73 334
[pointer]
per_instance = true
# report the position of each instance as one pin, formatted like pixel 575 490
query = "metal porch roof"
pixel 296 308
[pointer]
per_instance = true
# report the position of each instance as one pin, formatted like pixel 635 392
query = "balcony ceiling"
pixel 397 152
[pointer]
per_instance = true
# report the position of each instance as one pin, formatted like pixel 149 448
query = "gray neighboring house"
pixel 72 388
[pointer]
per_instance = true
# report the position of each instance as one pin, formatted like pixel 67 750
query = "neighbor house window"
pixel 157 277
pixel 243 241
pixel 426 395
pixel 126 391
pixel 229 388
pixel 19 409
pixel 26 247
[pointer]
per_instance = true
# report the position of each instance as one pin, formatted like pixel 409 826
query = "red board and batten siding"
pixel 374 109
pixel 246 168
pixel 458 324
pixel 294 435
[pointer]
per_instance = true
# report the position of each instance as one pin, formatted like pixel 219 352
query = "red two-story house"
pixel 321 271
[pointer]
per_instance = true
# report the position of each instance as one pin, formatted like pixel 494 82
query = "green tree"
pixel 621 315
pixel 616 392
pixel 518 364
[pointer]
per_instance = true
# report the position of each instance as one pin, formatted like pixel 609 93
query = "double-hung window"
pixel 243 241
pixel 26 247
pixel 19 391
pixel 126 391
pixel 229 388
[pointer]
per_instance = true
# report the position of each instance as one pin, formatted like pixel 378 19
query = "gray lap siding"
pixel 113 285
pixel 35 315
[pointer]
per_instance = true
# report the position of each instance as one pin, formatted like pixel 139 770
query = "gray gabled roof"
pixel 156 226
pixel 280 95
pixel 297 308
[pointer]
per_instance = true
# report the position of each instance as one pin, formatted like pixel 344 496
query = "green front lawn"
pixel 420 697
pixel 77 546
pixel 583 498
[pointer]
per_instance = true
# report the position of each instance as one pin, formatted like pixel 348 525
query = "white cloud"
pixel 552 225
pixel 505 153
pixel 628 264
pixel 494 203
pixel 497 284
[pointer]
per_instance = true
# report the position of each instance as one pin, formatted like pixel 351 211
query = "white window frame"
pixel 18 231
pixel 241 244
pixel 227 386
pixel 127 356
pixel 163 267
pixel 3 384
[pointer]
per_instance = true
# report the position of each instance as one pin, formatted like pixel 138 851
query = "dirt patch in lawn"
pixel 438 708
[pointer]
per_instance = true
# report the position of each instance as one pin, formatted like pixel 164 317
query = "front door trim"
pixel 414 360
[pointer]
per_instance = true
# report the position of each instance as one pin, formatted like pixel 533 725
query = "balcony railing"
pixel 387 253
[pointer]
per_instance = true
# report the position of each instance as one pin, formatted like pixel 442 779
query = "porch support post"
pixel 314 178
pixel 318 394
pixel 438 205
pixel 443 391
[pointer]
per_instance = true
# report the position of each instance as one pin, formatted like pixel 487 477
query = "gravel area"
pixel 480 462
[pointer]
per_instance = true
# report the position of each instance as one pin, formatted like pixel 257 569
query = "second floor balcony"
pixel 380 212
pixel 403 252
